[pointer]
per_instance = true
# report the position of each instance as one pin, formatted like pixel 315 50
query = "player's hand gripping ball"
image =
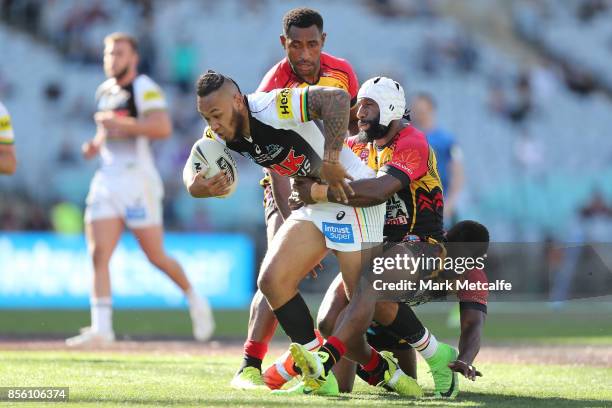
pixel 211 170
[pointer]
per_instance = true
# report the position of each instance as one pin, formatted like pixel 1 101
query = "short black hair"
pixel 470 231
pixel 426 96
pixel 302 17
pixel 211 81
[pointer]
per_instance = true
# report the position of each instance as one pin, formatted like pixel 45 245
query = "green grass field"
pixel 191 377
pixel 578 323
pixel 111 379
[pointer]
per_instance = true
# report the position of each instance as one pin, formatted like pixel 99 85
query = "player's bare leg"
pixel 151 241
pixel 102 237
pixel 333 304
pixel 261 328
pixel 296 249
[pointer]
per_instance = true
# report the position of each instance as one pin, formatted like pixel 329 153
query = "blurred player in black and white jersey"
pixel 127 189
pixel 8 162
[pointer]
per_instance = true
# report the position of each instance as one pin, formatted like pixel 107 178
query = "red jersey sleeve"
pixel 476 296
pixel 410 156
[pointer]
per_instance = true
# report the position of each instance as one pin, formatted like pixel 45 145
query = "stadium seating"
pixel 244 44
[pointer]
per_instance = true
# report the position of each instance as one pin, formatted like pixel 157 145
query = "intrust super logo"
pixel 340 233
pixel 283 104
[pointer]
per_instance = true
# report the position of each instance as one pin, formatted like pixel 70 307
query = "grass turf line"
pixel 110 379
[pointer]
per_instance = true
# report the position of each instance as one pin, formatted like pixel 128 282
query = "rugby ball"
pixel 209 157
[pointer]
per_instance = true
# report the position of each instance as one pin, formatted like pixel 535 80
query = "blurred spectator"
pixel 522 105
pixel 496 99
pixel 463 51
pixel 184 62
pixel 67 155
pixel 528 154
pixel 578 79
pixel 589 9
pixel 544 80
pixel 596 218
pixel 429 55
pixel 53 92
pixel 147 49
pixel 448 153
pixel 22 212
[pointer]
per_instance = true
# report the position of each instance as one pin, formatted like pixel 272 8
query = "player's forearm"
pixel 8 162
pixel 156 126
pixel 367 194
pixel 471 333
pixel 281 189
pixel 332 106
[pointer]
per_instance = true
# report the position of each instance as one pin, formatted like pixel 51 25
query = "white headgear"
pixel 388 94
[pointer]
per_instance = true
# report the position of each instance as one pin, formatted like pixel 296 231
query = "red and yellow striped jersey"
pixel 417 208
pixel 335 72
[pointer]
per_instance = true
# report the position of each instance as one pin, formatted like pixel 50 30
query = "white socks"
pixel 102 315
pixel 197 302
pixel 427 345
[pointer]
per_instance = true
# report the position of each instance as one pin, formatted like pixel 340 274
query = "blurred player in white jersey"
pixel 127 189
pixel 8 162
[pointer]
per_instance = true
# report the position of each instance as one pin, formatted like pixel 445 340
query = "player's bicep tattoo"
pixel 332 106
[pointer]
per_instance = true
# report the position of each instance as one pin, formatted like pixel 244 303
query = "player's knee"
pixel 100 256
pixel 385 312
pixel 266 282
pixel 157 259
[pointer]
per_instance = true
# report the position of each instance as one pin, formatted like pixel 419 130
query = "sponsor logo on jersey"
pixel 292 165
pixel 152 95
pixel 5 123
pixel 340 215
pixel 273 150
pixel 408 160
pixel 339 233
pixel 283 104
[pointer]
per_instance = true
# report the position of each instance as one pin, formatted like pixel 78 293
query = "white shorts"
pixel 345 228
pixel 134 195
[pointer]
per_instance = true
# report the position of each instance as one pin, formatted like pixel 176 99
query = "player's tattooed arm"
pixel 332 106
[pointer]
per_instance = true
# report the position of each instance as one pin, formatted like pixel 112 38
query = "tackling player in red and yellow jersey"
pixel 305 64
pixel 409 184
